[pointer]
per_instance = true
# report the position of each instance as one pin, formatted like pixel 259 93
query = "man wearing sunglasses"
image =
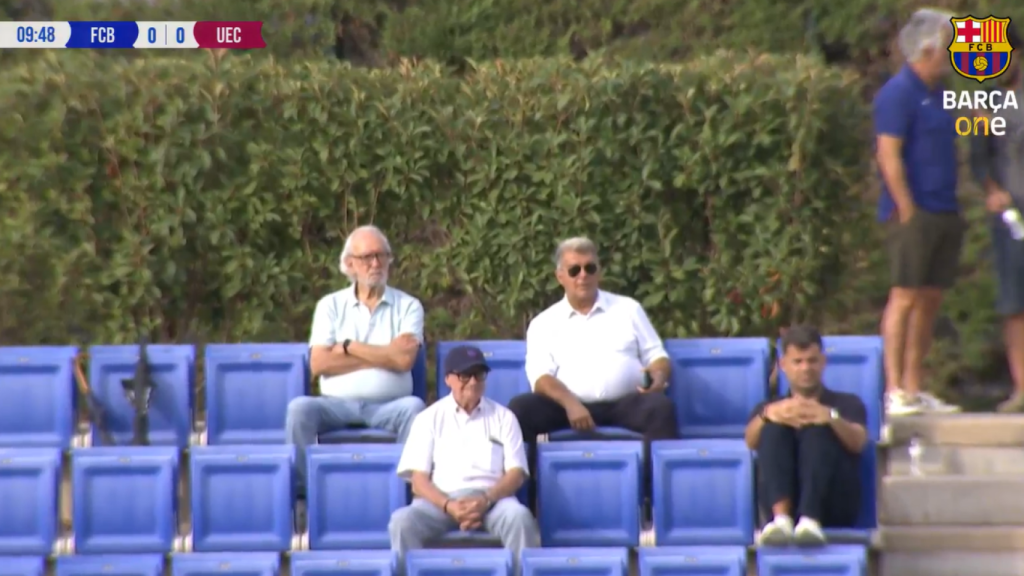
pixel 593 359
pixel 465 461
pixel 363 344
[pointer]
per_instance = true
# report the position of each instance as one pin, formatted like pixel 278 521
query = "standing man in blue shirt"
pixel 917 157
pixel 998 165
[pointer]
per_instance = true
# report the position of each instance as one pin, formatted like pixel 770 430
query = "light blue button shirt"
pixel 340 316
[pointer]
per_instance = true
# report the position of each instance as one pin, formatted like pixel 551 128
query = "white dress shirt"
pixel 463 451
pixel 600 356
pixel 341 316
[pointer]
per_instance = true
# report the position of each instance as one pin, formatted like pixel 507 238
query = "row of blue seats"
pixel 842 560
pixel 715 385
pixel 124 500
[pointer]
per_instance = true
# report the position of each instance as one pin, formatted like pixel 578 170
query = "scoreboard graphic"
pixel 139 35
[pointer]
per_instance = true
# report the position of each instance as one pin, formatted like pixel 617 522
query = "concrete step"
pixel 958 461
pixel 936 539
pixel 951 500
pixel 952 564
pixel 958 429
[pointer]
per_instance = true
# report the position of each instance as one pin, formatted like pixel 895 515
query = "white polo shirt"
pixel 463 451
pixel 341 316
pixel 599 356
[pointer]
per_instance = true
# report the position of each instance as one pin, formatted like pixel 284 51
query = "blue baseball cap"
pixel 464 359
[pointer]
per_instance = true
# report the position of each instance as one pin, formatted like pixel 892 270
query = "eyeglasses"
pixel 590 268
pixel 381 257
pixel 465 378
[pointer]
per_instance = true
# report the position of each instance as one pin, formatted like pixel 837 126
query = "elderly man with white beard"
pixel 363 344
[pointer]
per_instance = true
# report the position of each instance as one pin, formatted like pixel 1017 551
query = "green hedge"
pixel 211 199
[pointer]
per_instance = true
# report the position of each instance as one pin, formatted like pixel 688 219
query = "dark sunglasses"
pixel 465 378
pixel 590 268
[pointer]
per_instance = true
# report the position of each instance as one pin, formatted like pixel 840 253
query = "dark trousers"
pixel 653 415
pixel 811 469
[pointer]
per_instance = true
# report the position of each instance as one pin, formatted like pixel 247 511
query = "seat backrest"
pixel 716 383
pixel 172 369
pixel 37 396
pixel 110 485
pixel 242 498
pixel 29 489
pixel 248 387
pixel 507 359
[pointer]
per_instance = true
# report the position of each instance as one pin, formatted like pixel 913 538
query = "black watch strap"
pixel 344 345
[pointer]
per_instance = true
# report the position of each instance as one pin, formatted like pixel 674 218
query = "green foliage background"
pixel 193 197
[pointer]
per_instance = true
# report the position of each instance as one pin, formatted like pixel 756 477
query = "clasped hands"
pixel 468 512
pixel 797 412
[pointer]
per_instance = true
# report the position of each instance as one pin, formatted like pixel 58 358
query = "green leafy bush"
pixel 211 198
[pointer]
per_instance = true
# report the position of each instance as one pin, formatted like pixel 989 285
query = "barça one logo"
pixel 981 51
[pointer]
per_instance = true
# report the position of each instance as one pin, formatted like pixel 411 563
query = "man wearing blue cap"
pixel 465 460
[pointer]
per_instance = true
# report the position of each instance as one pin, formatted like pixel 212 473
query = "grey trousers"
pixel 420 523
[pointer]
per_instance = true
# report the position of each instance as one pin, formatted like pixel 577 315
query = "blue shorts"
pixel 1009 265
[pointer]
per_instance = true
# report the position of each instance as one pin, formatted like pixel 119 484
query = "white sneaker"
pixel 808 533
pixel 935 405
pixel 898 403
pixel 778 532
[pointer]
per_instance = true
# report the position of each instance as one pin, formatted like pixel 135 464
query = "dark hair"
pixel 1013 36
pixel 801 337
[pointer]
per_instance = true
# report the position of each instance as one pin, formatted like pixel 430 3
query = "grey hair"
pixel 926 30
pixel 347 250
pixel 579 245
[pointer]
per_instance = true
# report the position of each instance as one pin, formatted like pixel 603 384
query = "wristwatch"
pixel 833 414
pixel 344 345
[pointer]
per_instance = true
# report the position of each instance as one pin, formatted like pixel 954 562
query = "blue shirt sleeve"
pixel 892 116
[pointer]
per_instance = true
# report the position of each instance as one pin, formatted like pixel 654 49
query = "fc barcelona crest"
pixel 980 48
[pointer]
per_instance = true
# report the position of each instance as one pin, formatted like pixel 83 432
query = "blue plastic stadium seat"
pixel 703 493
pixel 855 366
pixel 340 562
pixel 172 369
pixel 569 561
pixel 29 492
pixel 113 564
pixel 453 562
pixel 37 396
pixel 588 493
pixel 834 560
pixel 695 560
pixel 507 359
pixel 241 498
pixel 717 382
pixel 352 491
pixel 124 499
pixel 248 387
pixel 373 435
pixel 226 563
pixel 23 566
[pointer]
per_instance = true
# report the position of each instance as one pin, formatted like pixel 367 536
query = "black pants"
pixel 653 415
pixel 811 469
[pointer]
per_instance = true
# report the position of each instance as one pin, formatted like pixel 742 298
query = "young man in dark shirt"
pixel 808 446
